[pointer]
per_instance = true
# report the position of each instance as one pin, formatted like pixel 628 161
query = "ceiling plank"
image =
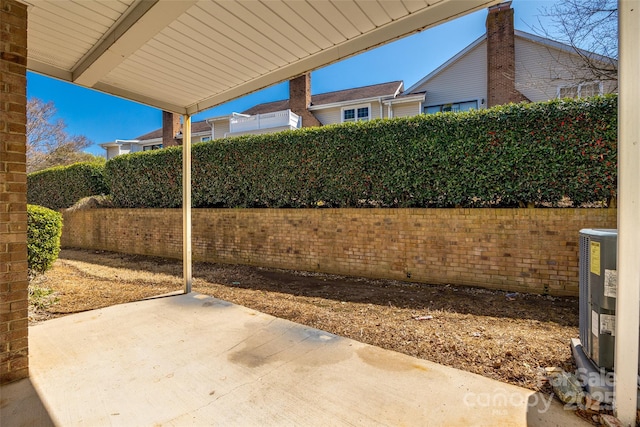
pixel 318 22
pixel 355 15
pixel 341 23
pixel 375 12
pixel 146 19
pixel 242 37
pixel 217 45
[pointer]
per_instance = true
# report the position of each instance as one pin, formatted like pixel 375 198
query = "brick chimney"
pixel 501 57
pixel 170 127
pixel 300 99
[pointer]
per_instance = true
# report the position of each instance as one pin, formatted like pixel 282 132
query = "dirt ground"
pixel 508 338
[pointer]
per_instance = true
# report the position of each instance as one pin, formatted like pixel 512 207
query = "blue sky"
pixel 104 118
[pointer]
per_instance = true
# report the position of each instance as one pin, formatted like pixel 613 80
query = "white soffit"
pixel 186 56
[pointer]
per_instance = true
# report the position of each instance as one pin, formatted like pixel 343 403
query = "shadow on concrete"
pixel 21 405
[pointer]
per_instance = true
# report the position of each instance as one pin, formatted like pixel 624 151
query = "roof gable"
pixel 563 47
pixel 417 87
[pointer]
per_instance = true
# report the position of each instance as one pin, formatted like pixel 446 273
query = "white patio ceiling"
pixel 189 55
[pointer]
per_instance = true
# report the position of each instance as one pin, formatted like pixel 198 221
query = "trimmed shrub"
pixel 540 153
pixel 62 186
pixel 147 179
pixel 44 228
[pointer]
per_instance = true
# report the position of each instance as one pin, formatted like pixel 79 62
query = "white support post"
pixel 186 202
pixel 628 294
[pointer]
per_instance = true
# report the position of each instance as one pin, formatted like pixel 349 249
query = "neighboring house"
pixel 301 109
pixel 507 65
pixel 350 105
pixel 504 65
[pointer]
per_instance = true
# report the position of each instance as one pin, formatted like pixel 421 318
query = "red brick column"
pixel 501 57
pixel 13 193
pixel 170 127
pixel 300 99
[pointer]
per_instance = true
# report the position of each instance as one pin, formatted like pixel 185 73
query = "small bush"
pixel 44 228
pixel 62 186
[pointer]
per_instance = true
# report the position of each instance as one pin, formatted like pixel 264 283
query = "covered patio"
pixel 184 57
pixel 196 360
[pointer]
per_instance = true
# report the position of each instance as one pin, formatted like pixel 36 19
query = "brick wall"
pixel 13 193
pixel 529 250
pixel 501 57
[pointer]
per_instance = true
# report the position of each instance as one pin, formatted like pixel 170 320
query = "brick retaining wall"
pixel 528 250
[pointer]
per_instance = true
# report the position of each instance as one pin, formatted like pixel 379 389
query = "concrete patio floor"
pixel 196 360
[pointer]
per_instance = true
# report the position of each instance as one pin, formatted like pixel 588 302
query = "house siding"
pixel 328 116
pixel 464 80
pixel 540 70
pixel 406 109
pixel 220 129
pixel 375 110
pixel 112 152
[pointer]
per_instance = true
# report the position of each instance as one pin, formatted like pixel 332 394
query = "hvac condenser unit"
pixel 594 352
pixel 598 283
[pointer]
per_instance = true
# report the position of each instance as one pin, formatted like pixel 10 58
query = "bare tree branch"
pixel 590 27
pixel 48 144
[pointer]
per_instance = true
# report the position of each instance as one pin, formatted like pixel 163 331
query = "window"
pixel 589 89
pixel 454 107
pixel 205 139
pixel 582 90
pixel 152 147
pixel 568 92
pixel 358 113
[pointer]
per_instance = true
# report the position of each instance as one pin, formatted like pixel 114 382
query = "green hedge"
pixel 504 156
pixel 62 186
pixel 44 228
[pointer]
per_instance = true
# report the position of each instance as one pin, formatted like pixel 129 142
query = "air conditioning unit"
pixel 594 353
pixel 598 283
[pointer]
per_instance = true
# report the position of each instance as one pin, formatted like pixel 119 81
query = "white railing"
pixel 284 118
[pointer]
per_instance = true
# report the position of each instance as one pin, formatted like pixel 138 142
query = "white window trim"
pixel 579 86
pixel 478 101
pixel 205 139
pixel 149 147
pixel 355 108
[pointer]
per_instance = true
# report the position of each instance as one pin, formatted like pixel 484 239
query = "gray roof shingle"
pixel 363 92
